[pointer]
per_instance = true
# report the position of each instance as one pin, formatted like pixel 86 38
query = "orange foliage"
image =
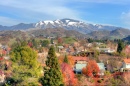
pixel 30 44
pixel 70 59
pixel 91 69
pixel 60 60
pixel 68 75
pixel 126 78
pixel 127 50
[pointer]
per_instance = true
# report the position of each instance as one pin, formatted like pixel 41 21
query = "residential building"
pixel 105 50
pixel 101 68
pixel 80 63
pixel 126 64
pixel 81 60
pixel 78 68
pixel 60 48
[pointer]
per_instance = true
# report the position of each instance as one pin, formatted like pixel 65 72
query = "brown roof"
pixel 127 61
pixel 80 58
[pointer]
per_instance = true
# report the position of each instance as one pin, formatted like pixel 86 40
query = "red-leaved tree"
pixel 91 69
pixel 59 40
pixel 68 74
pixel 30 44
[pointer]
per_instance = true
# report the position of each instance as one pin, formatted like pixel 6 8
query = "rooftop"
pixel 101 66
pixel 80 58
pixel 80 66
pixel 127 61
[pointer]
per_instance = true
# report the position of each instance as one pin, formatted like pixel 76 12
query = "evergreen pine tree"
pixel 52 74
pixel 66 59
pixel 120 46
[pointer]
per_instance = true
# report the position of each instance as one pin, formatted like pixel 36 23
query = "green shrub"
pixel 91 80
pixel 79 76
pixel 107 73
pixel 99 81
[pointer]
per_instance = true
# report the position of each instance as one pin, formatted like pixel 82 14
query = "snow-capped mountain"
pixel 68 24
pixel 71 24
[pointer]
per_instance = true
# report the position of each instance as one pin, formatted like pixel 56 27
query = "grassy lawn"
pixel 69 40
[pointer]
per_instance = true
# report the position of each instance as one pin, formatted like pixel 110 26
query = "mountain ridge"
pixel 66 23
pixel 104 34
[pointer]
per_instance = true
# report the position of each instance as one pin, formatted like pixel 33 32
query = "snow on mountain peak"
pixel 39 23
pixel 57 21
pixel 67 21
pixel 72 23
pixel 48 21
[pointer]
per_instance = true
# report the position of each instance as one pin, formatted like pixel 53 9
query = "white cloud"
pixel 41 9
pixel 8 21
pixel 36 10
pixel 125 18
pixel 122 2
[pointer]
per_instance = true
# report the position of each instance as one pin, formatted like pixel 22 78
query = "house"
pixel 89 45
pixel 105 50
pixel 99 43
pixel 101 68
pixel 78 68
pixel 2 76
pixel 110 51
pixel 60 48
pixel 85 54
pixel 126 64
pixel 80 63
pixel 51 37
pixel 70 50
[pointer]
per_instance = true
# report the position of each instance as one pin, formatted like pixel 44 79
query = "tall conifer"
pixel 66 59
pixel 52 74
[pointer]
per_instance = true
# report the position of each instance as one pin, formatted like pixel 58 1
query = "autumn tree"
pixel 24 65
pixel 126 78
pixel 71 60
pixel 83 43
pixel 68 75
pixel 91 69
pixel 127 51
pixel 96 54
pixel 60 41
pixel 52 75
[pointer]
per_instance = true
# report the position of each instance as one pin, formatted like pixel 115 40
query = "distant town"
pixel 63 61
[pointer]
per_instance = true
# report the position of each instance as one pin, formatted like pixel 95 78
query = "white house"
pixel 101 68
pixel 78 68
pixel 80 63
pixel 105 50
pixel 126 64
pixel 60 48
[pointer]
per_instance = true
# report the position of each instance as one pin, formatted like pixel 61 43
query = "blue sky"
pixel 108 12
